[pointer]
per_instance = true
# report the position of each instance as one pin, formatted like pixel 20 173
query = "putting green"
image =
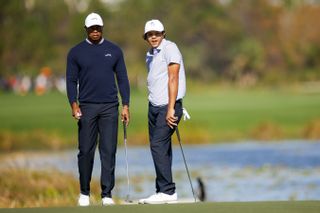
pixel 218 207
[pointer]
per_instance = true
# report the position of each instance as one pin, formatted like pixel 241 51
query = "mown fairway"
pixel 217 114
pixel 239 207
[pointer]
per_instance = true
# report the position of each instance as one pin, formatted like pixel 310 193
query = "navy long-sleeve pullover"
pixel 96 67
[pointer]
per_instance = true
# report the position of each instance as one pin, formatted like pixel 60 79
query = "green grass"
pixel 217 114
pixel 223 207
pixel 224 112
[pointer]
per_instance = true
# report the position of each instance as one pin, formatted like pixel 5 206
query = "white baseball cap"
pixel 93 19
pixel 153 25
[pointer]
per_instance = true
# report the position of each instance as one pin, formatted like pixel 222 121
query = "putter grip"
pixel 124 130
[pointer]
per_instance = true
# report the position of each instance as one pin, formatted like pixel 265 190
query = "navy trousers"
pixel 98 122
pixel 160 144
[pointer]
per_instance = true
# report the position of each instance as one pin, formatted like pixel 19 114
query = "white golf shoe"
pixel 84 200
pixel 107 201
pixel 160 198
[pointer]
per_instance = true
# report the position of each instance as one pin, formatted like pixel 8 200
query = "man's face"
pixel 94 32
pixel 154 38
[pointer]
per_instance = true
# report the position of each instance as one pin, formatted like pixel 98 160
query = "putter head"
pixel 128 201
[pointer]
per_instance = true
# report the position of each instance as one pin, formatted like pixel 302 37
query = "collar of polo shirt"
pixel 158 49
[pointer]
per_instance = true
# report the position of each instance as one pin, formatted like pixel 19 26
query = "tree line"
pixel 245 41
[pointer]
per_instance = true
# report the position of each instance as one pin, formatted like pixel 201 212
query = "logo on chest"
pixel 108 55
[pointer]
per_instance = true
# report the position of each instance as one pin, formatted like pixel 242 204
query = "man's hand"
pixel 76 112
pixel 125 114
pixel 171 119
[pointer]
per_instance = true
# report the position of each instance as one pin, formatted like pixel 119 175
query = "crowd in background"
pixel 40 84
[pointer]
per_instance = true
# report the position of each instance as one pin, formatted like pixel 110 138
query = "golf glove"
pixel 186 115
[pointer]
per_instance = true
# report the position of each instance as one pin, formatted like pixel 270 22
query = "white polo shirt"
pixel 157 61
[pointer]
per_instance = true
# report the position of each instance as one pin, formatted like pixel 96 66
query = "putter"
pixel 185 164
pixel 127 165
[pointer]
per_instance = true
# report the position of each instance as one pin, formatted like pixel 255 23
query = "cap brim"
pixel 93 25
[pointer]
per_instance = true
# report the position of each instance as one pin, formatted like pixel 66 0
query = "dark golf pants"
pixel 160 144
pixel 97 121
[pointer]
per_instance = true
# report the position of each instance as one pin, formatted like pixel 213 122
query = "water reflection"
pixel 248 171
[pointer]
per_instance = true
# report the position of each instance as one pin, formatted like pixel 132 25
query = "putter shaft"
pixel 185 164
pixel 126 159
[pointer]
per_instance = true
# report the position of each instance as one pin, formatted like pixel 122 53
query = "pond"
pixel 242 171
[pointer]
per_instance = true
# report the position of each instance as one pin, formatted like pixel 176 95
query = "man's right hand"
pixel 76 112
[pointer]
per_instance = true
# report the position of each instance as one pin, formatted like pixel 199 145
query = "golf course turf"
pixel 206 207
pixel 217 115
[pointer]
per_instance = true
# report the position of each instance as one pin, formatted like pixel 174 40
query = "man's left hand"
pixel 125 114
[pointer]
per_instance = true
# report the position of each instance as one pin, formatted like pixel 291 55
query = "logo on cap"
pixel 153 25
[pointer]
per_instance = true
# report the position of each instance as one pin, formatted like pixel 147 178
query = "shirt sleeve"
pixel 122 80
pixel 173 54
pixel 72 75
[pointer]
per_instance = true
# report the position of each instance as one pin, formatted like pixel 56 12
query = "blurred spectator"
pixel 42 83
pixel 12 82
pixel 2 84
pixel 24 85
pixel 60 84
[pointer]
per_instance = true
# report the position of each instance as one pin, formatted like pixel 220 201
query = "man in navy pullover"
pixel 95 71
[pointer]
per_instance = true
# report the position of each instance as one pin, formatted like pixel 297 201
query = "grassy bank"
pixel 50 191
pixel 217 114
pixel 25 188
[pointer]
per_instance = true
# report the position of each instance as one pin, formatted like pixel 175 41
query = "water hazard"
pixel 247 171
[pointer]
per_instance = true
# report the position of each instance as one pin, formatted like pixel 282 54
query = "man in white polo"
pixel 166 86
